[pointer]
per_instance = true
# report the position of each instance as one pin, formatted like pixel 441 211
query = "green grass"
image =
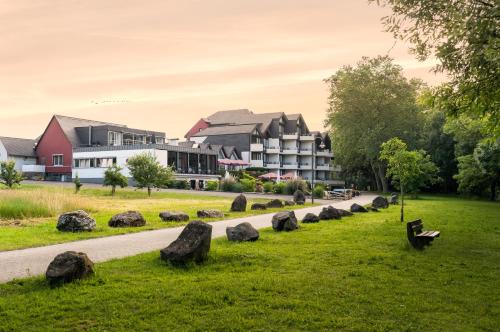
pixel 34 212
pixel 358 273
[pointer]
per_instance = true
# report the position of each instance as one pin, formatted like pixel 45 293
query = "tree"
pixel 464 36
pixel 409 170
pixel 113 177
pixel 479 172
pixel 148 172
pixel 78 184
pixel 369 104
pixel 9 176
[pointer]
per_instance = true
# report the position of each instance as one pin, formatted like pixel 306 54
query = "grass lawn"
pixel 34 224
pixel 358 273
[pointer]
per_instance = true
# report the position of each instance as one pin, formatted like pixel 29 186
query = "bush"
pixel 319 191
pixel 279 188
pixel 228 183
pixel 258 187
pixel 268 187
pixel 292 186
pixel 248 185
pixel 212 185
pixel 237 188
pixel 179 184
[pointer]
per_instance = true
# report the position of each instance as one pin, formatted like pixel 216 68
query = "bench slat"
pixel 428 234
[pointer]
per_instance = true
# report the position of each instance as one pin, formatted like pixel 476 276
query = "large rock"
pixel 173 216
pixel 380 202
pixel 358 208
pixel 275 203
pixel 258 206
pixel 310 218
pixel 345 213
pixel 394 199
pixel 69 266
pixel 76 221
pixel 299 197
pixel 242 232
pixel 127 219
pixel 192 244
pixel 284 221
pixel 210 214
pixel 239 204
pixel 329 213
pixel 289 203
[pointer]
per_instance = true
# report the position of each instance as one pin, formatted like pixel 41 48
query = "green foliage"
pixel 113 177
pixel 319 191
pixel 179 184
pixel 237 188
pixel 479 172
pixel 212 185
pixel 248 185
pixel 9 176
pixel 268 186
pixel 22 208
pixel 148 172
pixel 78 184
pixel 291 186
pixel 279 188
pixel 228 183
pixel 369 104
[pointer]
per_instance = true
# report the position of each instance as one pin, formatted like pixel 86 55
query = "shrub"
pixel 268 187
pixel 293 185
pixel 279 188
pixel 248 185
pixel 179 184
pixel 237 188
pixel 228 183
pixel 212 185
pixel 319 191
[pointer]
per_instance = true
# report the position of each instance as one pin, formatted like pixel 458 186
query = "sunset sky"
pixel 162 65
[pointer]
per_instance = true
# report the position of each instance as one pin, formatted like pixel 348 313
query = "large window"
pixel 94 162
pixel 57 160
pixel 114 138
pixel 256 156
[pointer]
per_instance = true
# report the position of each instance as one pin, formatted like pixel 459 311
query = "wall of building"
pixel 54 141
pixel 200 125
pixel 3 152
pixel 240 141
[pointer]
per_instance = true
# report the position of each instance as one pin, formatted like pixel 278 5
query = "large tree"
pixel 464 35
pixel 148 173
pixel 369 104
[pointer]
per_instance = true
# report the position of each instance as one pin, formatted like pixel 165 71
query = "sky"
pixel 162 65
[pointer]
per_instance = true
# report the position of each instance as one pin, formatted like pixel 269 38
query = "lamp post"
pixel 313 165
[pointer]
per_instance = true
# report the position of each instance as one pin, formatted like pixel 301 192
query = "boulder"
pixel 127 219
pixel 310 218
pixel 373 209
pixel 76 221
pixel 329 213
pixel 289 203
pixel 242 232
pixel 173 216
pixel 258 206
pixel 69 266
pixel 192 244
pixel 284 221
pixel 275 203
pixel 394 200
pixel 345 213
pixel 358 208
pixel 380 202
pixel 210 214
pixel 239 204
pixel 299 197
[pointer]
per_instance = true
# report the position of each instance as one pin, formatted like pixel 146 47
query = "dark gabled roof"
pixel 243 116
pixel 229 150
pixel 68 125
pixel 20 147
pixel 227 130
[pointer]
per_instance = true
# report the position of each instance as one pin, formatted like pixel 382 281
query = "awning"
pixel 269 176
pixel 231 162
pixel 288 176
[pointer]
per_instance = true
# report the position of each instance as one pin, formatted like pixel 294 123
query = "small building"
pixel 21 150
pixel 194 165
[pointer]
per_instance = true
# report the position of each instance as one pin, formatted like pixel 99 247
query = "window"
pixel 160 140
pixel 114 138
pixel 256 156
pixel 95 162
pixel 57 160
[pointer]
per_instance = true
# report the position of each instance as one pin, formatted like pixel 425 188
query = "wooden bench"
pixel 418 238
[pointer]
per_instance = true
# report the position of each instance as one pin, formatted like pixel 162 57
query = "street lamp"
pixel 313 164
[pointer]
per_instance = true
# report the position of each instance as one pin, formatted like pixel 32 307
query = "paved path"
pixel 34 261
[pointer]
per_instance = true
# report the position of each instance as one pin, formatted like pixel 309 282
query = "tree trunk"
pixel 377 180
pixel 383 179
pixel 113 189
pixel 402 204
pixel 149 191
pixel 493 189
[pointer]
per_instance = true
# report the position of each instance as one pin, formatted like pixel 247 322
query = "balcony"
pixel 308 138
pixel 273 149
pixel 305 152
pixel 324 153
pixel 323 167
pixel 290 165
pixel 33 169
pixel 273 164
pixel 292 136
pixel 256 163
pixel 256 147
pixel 290 151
